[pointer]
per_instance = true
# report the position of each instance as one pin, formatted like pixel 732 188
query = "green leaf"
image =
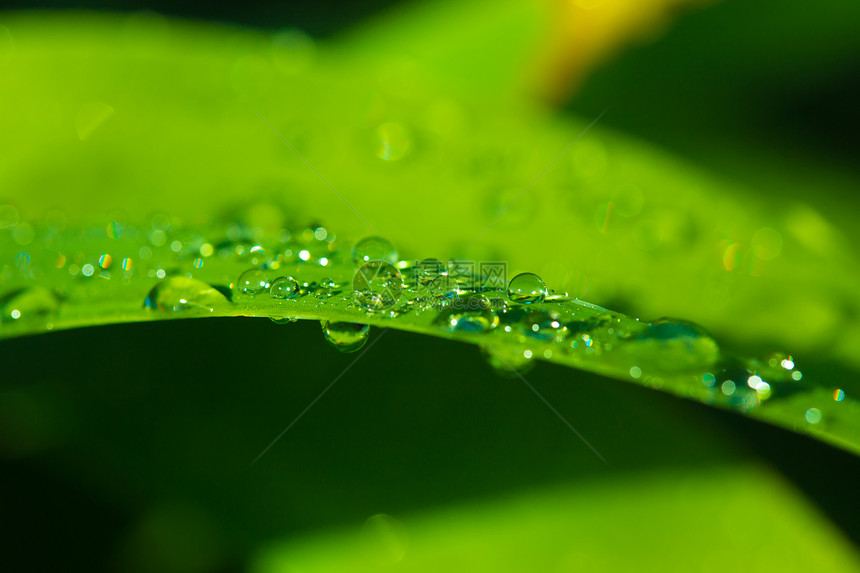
pixel 155 170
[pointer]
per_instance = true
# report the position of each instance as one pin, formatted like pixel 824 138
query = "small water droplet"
pixel 284 287
pixel 527 288
pixel 345 336
pixel 182 294
pixel 252 282
pixel 27 305
pixel 377 286
pixel 470 313
pixel 372 249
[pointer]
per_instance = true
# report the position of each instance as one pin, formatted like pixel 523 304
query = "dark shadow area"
pixel 126 424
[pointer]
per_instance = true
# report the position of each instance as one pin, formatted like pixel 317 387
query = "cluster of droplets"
pixel 514 321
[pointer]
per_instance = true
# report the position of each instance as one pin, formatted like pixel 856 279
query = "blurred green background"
pixel 129 447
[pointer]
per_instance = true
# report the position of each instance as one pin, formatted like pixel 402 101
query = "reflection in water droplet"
pixel 345 336
pixel 182 294
pixel 374 249
pixel 527 288
pixel 252 282
pixel 471 313
pixel 284 287
pixel 28 304
pixel 377 286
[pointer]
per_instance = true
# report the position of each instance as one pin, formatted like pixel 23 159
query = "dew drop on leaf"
pixel 345 336
pixel 372 249
pixel 28 304
pixel 674 345
pixel 527 288
pixel 472 313
pixel 377 286
pixel 284 287
pixel 252 282
pixel 182 294
pixel 507 362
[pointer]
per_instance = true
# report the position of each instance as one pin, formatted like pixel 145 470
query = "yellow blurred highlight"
pixel 732 257
pixel 585 33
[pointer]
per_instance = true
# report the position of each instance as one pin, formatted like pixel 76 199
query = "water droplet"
pixel 345 336
pixel 507 362
pixel 813 415
pixel 532 322
pixel 444 288
pixel 182 294
pixel 385 541
pixel 377 286
pixel 292 51
pixel 252 282
pixel 392 141
pixel 8 216
pixel 527 288
pixel 372 249
pixel 427 270
pixel 113 230
pixel 28 304
pixel 284 287
pixel 671 346
pixel 471 313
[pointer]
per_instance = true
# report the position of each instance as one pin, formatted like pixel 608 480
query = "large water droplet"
pixel 181 294
pixel 508 362
pixel 252 282
pixel 445 289
pixel 532 322
pixel 372 249
pixel 27 305
pixel 469 313
pixel 284 287
pixel 345 336
pixel 427 270
pixel 673 345
pixel 527 288
pixel 377 286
